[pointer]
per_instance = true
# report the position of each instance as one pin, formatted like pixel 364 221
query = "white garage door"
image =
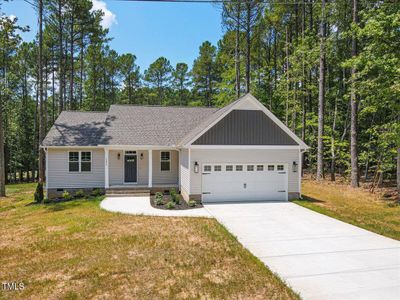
pixel 244 182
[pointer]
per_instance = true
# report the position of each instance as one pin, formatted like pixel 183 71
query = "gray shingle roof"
pixel 127 125
pixel 74 128
pixel 152 125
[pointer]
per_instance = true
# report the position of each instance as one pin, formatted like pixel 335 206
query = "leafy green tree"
pixel 158 75
pixel 180 77
pixel 130 76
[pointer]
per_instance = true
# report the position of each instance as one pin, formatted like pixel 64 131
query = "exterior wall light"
pixel 196 167
pixel 119 156
pixel 141 155
pixel 295 167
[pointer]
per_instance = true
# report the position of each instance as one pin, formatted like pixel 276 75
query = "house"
pixel 240 152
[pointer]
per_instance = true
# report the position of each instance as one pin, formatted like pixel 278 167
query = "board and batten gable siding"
pixel 58 170
pixel 240 156
pixel 165 177
pixel 184 170
pixel 116 167
pixel 245 127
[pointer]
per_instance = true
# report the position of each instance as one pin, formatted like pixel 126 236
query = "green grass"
pixel 354 206
pixel 76 250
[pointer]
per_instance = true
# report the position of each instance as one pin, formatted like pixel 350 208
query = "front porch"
pixel 128 168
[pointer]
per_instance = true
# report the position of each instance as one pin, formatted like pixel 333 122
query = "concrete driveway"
pixel 319 257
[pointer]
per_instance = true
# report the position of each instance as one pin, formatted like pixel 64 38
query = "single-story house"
pixel 241 152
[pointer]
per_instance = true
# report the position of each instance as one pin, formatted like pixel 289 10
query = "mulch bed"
pixel 181 206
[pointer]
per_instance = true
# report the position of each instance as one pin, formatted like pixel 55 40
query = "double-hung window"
pixel 165 161
pixel 80 161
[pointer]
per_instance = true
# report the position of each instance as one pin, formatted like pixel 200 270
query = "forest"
pixel 330 70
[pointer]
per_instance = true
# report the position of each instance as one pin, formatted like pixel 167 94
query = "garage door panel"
pixel 261 185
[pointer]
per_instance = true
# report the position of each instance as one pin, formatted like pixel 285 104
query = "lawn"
pixel 354 206
pixel 76 250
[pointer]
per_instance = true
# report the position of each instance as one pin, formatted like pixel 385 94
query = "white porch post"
pixel 106 167
pixel 150 168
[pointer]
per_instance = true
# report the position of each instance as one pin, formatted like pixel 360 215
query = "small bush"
pixel 96 192
pixel 159 198
pixel 174 196
pixel 170 205
pixel 79 194
pixel 66 195
pixel 192 203
pixel 46 200
pixel 38 196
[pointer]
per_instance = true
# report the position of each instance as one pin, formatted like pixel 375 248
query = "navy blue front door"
pixel 130 168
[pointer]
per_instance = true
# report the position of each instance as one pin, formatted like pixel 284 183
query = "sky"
pixel 148 30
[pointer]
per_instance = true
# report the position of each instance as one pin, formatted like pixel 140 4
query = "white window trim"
pixel 169 161
pixel 80 161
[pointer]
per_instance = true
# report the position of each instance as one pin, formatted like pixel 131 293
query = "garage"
pixel 230 182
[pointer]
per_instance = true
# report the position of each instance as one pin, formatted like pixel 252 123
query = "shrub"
pixel 46 200
pixel 38 196
pixel 192 203
pixel 174 196
pixel 96 192
pixel 159 198
pixel 66 195
pixel 79 193
pixel 170 205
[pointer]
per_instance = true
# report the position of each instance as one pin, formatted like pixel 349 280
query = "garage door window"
pixel 229 168
pixel 250 168
pixel 271 167
pixel 239 168
pixel 217 168
pixel 280 168
pixel 207 168
pixel 260 168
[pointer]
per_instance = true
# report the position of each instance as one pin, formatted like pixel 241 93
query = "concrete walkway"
pixel 319 257
pixel 141 206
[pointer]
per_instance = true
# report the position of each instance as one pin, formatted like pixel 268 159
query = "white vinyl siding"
pixel 165 177
pixel 243 157
pixel 59 175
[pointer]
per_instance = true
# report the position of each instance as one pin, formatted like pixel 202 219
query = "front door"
pixel 130 167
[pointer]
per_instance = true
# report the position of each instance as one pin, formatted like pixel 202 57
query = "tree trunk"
pixel 248 46
pixel 61 59
pixel 287 76
pixel 398 172
pixel 321 97
pixel 71 80
pixel 41 104
pixel 237 49
pixel 2 154
pixel 354 108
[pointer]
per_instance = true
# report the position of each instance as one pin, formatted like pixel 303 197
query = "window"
pixel 260 168
pixel 239 168
pixel 229 168
pixel 86 161
pixel 280 168
pixel 165 161
pixel 271 167
pixel 207 168
pixel 250 168
pixel 80 161
pixel 73 161
pixel 217 168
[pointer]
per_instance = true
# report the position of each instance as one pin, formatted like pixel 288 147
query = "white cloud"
pixel 109 18
pixel 12 17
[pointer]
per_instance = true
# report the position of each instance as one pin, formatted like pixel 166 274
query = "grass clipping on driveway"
pixel 76 250
pixel 354 206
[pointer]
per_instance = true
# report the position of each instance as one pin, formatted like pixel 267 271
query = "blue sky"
pixel 148 30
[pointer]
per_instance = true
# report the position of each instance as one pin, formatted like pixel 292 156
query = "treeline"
pixel 329 70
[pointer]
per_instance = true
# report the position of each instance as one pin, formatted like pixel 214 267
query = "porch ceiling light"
pixel 196 167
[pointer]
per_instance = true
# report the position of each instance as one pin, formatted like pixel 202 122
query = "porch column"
pixel 150 168
pixel 106 178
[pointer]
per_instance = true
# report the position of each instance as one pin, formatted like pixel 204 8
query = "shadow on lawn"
pixel 62 204
pixel 310 199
